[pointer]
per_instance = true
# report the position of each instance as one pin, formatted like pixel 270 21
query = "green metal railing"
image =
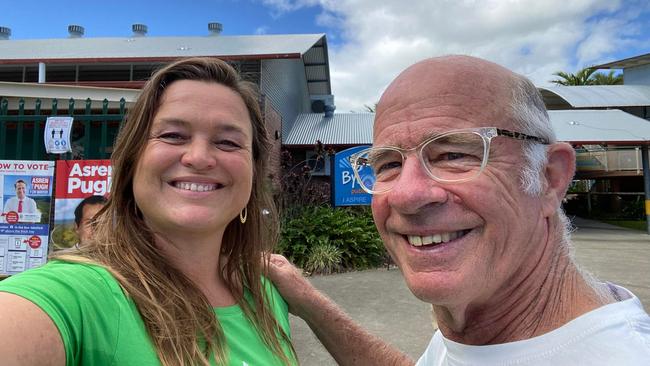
pixel 95 136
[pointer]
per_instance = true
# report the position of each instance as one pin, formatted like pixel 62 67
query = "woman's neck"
pixel 199 258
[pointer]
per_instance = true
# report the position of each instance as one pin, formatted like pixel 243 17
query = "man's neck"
pixel 551 295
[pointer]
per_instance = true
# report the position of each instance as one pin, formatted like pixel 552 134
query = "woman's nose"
pixel 199 155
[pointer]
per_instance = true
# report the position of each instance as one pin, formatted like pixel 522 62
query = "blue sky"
pixel 371 41
pixel 42 19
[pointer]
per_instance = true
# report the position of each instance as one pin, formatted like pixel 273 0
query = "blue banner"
pixel 25 205
pixel 347 191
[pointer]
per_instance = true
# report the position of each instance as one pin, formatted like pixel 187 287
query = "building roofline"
pixel 145 59
pixel 626 62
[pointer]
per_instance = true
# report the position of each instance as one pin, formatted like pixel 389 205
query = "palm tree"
pixel 370 108
pixel 587 76
pixel 607 79
pixel 582 77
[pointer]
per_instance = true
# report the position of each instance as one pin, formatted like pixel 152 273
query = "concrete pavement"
pixel 380 301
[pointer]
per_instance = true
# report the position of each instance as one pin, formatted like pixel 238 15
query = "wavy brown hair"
pixel 176 314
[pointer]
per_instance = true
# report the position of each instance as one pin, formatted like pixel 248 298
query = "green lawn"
pixel 636 225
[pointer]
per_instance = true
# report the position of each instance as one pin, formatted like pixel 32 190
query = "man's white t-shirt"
pixel 614 334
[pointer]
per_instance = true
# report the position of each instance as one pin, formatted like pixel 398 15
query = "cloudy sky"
pixel 375 40
pixel 371 41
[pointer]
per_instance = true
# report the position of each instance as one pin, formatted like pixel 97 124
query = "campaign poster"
pixel 26 188
pixel 75 181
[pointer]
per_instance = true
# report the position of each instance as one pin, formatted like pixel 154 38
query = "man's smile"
pixel 444 237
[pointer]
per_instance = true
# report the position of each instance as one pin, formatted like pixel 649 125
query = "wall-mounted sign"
pixel 57 135
pixel 347 191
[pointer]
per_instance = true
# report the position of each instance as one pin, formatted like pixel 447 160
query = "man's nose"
pixel 415 189
pixel 199 155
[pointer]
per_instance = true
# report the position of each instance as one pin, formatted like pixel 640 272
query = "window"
pixel 319 165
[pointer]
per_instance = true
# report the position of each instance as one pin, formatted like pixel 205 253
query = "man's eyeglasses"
pixel 450 157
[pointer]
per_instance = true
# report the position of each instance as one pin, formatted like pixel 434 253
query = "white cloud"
pixel 261 30
pixel 536 38
pixel 284 6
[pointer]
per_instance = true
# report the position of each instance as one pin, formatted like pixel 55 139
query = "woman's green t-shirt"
pixel 100 325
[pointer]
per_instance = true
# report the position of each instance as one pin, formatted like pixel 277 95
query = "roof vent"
pixel 75 31
pixel 139 30
pixel 329 110
pixel 318 106
pixel 215 28
pixel 323 104
pixel 5 32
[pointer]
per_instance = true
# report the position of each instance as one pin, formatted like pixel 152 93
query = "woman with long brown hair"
pixel 174 274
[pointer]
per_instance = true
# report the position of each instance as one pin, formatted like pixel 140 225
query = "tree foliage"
pixel 587 76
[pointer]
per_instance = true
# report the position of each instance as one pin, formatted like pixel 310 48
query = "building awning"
pixel 142 49
pixel 624 63
pixel 105 53
pixel 339 129
pixel 600 127
pixel 29 92
pixel 586 127
pixel 596 96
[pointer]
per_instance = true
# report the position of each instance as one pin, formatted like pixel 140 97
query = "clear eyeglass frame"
pixel 358 160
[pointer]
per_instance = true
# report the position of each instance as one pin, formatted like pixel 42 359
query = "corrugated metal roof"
pixel 156 47
pixel 610 126
pixel 627 62
pixel 600 96
pixel 317 68
pixel 340 129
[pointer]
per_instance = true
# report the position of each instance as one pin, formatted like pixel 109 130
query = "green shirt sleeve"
pixel 279 307
pixel 81 303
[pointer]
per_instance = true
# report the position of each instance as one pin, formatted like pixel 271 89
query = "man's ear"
pixel 558 173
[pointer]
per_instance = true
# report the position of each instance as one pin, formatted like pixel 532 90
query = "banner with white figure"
pixel 57 135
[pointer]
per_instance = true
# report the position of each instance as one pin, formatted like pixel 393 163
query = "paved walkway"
pixel 381 302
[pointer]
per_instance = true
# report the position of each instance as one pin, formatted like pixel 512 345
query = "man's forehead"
pixel 447 76
pixel 422 118
pixel 443 94
pixel 92 208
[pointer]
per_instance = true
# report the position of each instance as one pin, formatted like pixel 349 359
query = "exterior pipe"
pixel 41 72
pixel 646 184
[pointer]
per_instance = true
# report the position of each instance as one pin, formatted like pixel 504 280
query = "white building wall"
pixel 639 75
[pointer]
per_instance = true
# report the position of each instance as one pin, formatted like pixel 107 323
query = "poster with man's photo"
pixel 26 188
pixel 82 187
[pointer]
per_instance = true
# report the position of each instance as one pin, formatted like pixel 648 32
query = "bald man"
pixel 469 180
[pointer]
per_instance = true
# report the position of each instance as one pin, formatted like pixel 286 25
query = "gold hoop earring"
pixel 243 215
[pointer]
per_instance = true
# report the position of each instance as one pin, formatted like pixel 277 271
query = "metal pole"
pixel 41 72
pixel 646 184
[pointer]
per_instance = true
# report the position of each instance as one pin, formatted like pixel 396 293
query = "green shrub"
pixel 349 229
pixel 324 258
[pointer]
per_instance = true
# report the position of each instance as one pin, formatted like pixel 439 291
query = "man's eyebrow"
pixel 400 145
